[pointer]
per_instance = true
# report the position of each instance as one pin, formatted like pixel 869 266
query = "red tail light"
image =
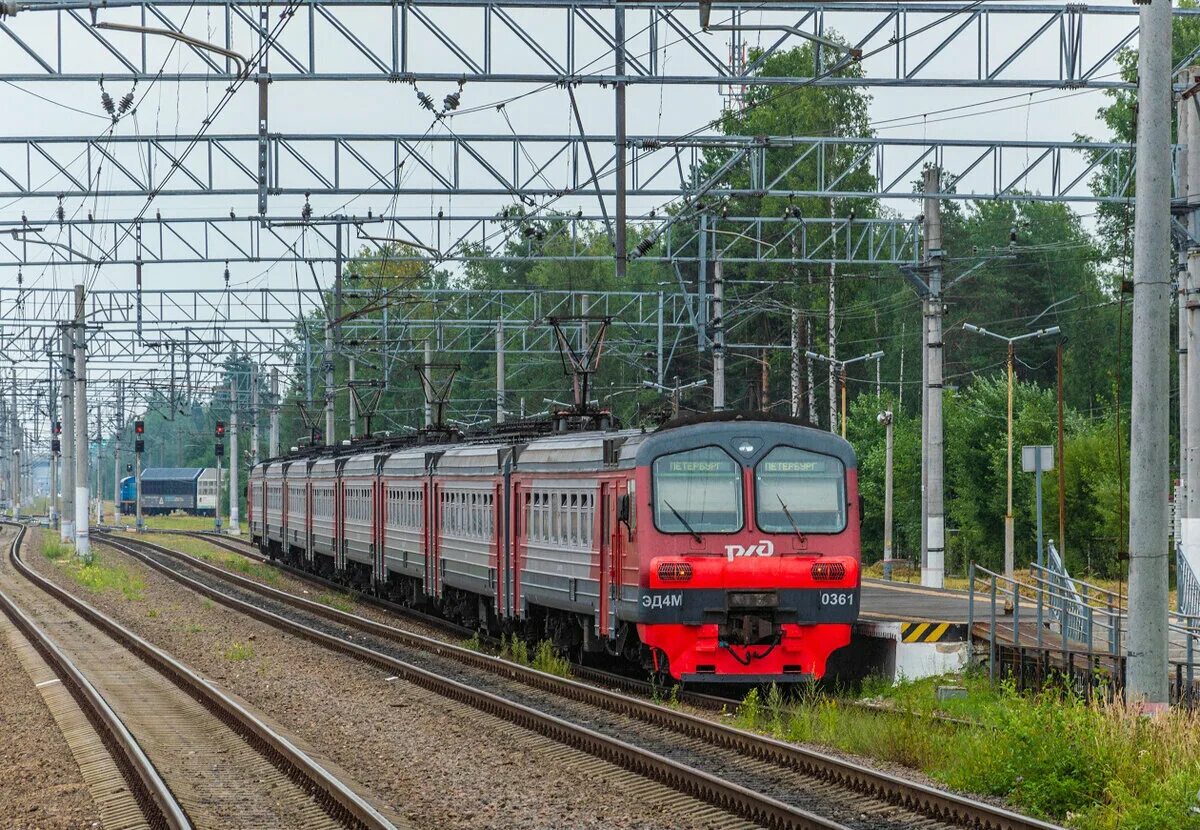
pixel 674 572
pixel 828 571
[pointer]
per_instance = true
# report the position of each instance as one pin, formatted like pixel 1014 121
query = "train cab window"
pixel 698 491
pixel 799 491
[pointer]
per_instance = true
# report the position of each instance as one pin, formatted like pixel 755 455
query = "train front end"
pixel 749 567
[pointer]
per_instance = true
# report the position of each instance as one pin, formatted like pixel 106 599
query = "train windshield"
pixel 798 491
pixel 698 491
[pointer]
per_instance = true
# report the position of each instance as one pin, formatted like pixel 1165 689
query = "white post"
pixel 1146 665
pixel 82 544
pixel 235 528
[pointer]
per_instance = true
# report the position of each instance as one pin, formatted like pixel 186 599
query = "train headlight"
pixel 828 571
pixel 674 572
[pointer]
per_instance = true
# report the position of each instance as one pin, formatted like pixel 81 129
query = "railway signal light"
pixel 220 429
pixel 58 427
pixel 219 450
pixel 55 431
pixel 139 429
pixel 129 468
pixel 316 435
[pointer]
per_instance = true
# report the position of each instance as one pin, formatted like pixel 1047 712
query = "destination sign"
pixel 793 467
pixel 693 467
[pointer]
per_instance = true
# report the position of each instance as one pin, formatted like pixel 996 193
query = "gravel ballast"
pixel 431 761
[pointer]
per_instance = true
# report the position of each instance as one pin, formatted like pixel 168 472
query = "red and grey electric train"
pixel 721 549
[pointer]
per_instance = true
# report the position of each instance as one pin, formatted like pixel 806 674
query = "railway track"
pixel 765 781
pixel 589 674
pixel 197 757
pixel 142 798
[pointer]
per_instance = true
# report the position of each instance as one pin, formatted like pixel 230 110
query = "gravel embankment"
pixel 436 763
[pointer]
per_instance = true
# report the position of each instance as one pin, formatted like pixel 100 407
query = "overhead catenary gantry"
pixel 524 168
pixel 572 41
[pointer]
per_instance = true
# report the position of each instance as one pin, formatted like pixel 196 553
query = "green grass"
pixel 546 658
pixel 99 576
pixel 55 549
pixel 239 651
pixel 207 552
pixel 1053 755
pixel 167 522
pixel 335 600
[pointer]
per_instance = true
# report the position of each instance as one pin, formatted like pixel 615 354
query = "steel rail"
pixel 928 801
pixel 152 794
pixel 335 797
pixel 728 796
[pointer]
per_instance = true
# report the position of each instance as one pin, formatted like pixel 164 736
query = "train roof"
pixel 172 473
pixel 748 436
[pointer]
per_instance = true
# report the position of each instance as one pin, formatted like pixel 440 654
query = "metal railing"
pixel 1072 627
pixel 1187 600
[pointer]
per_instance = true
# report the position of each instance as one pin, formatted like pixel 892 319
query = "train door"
pixel 607 575
pixel 378 496
pixel 498 540
pixel 516 518
pixel 308 522
pixel 432 493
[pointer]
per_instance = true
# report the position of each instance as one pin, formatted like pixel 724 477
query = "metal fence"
pixel 1059 625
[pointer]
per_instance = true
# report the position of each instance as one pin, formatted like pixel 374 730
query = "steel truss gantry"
pixel 454 238
pixel 531 167
pixel 572 41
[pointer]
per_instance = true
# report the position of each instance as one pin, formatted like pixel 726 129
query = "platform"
pixel 906 631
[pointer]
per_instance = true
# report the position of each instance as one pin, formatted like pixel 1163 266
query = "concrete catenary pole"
pixel 253 414
pixel 1183 283
pixel 82 493
pixel 67 404
pixel 500 372
pixel 795 367
pixel 932 575
pixel 235 461
pixel 330 439
pixel 15 446
pixel 833 334
pixel 887 418
pixel 718 344
pixel 425 384
pixel 273 439
pixel 1146 645
pixel 1189 390
pixel 351 370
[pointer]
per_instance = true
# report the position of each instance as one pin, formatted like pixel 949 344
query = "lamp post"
pixel 886 419
pixel 1009 542
pixel 840 366
pixel 674 391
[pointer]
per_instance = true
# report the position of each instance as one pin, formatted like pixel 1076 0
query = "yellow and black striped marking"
pixel 932 632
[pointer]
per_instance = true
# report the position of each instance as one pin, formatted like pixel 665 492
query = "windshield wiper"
pixel 683 521
pixel 791 521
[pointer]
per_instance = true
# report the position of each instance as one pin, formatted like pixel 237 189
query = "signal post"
pixel 219 451
pixel 139 446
